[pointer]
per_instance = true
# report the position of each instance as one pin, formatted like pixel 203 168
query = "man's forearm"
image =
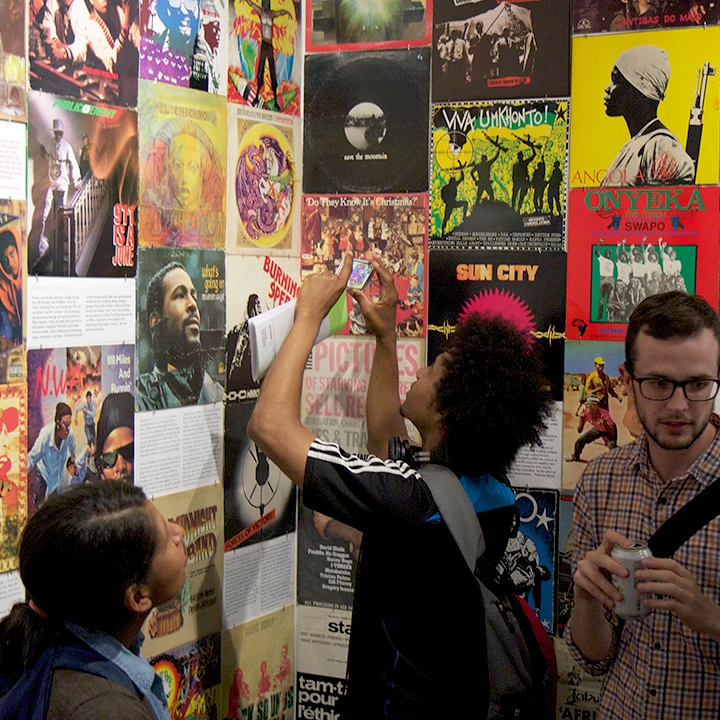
pixel 590 629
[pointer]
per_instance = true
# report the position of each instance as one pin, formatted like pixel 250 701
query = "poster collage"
pixel 171 169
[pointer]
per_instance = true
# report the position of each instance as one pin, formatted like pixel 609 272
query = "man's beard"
pixel 174 347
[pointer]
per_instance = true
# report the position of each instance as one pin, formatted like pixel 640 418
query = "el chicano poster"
pixel 526 288
pixel 499 175
pixel 658 121
pixel 491 50
pixel 626 244
pixel 83 188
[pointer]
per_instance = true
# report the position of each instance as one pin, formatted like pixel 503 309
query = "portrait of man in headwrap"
pixel 10 287
pixel 653 155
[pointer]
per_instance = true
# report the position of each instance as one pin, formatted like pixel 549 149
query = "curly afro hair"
pixel 493 397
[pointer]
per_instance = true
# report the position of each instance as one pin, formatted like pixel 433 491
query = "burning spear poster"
pixel 627 244
pixel 499 175
pixel 657 122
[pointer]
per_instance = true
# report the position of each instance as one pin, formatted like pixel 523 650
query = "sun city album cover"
pixel 526 288
pixel 484 50
pixel 196 610
pixel 85 50
pixel 392 228
pixel 259 498
pixel 627 244
pixel 183 158
pixel 366 122
pixel 258 673
pixel 13 46
pixel 183 43
pixel 265 283
pixel 181 328
pixel 265 54
pixel 645 109
pixel 353 25
pixel 263 193
pixel 191 678
pixel 12 271
pixel 14 498
pixel 499 175
pixel 596 16
pixel 83 188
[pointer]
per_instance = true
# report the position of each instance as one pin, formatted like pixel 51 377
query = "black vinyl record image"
pixel 367 122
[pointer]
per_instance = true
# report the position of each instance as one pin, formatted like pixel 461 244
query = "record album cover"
pixel 12 306
pixel 596 16
pixel 499 175
pixel 13 42
pixel 366 122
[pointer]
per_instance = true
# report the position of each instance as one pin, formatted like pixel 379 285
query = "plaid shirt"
pixel 661 670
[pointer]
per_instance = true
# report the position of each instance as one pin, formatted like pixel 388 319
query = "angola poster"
pixel 350 25
pixel 83 50
pixel 180 328
pixel 499 175
pixel 12 306
pixel 598 16
pixel 14 500
pixel 259 497
pixel 183 160
pixel 13 69
pixel 487 51
pixel 625 245
pixel 366 122
pixel 645 109
pixel 183 43
pixel 83 188
pixel 263 192
pixel 391 228
pixel 265 54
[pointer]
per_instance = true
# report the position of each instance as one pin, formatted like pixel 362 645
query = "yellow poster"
pixel 645 108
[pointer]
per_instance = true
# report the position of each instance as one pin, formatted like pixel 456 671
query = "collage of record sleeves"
pixel 171 170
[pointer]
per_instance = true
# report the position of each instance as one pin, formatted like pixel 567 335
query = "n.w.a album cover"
pixel 181 328
pixel 183 43
pixel 259 497
pixel 499 175
pixel 83 180
pixel 627 244
pixel 391 228
pixel 265 54
pixel 366 122
pixel 645 109
pixel 263 193
pixel 596 16
pixel 183 156
pixel 484 50
pixel 266 283
pixel 13 46
pixel 526 288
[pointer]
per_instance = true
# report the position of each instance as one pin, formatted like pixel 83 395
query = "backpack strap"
pixel 456 511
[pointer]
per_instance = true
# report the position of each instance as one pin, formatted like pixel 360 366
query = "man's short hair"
pixel 155 289
pixel 668 315
pixel 493 397
pixel 61 410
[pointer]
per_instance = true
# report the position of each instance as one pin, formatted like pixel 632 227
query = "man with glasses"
pixel 664 665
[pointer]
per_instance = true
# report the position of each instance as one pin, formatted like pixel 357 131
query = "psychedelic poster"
pixel 266 283
pixel 499 175
pixel 83 51
pixel 625 245
pixel 265 54
pixel 264 189
pixel 366 122
pixel 259 497
pixel 191 677
pixel 183 44
pixel 13 41
pixel 83 188
pixel 595 17
pixel 530 558
pixel 196 611
pixel 258 673
pixel 13 474
pixel 500 50
pixel 669 135
pixel 347 25
pixel 392 228
pixel 181 328
pixel 12 271
pixel 183 158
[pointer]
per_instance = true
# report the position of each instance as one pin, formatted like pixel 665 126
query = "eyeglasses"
pixel 126 452
pixel 695 390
